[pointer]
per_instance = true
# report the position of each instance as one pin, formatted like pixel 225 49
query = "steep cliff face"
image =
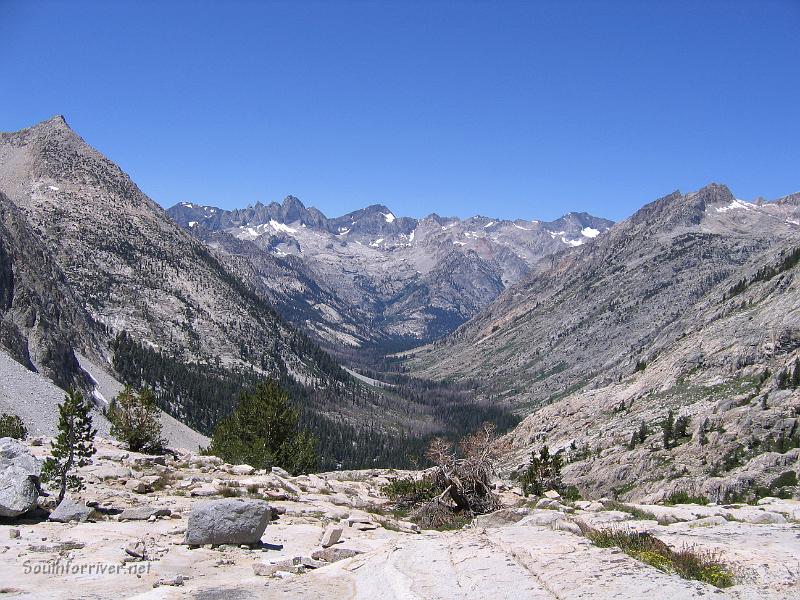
pixel 41 321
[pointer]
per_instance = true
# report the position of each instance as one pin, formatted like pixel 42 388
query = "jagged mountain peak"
pixel 713 193
pixel 44 130
pixel 56 121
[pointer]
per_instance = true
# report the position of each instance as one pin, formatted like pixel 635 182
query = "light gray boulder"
pixel 227 521
pixel 71 510
pixel 19 478
pixel 143 513
pixel 331 536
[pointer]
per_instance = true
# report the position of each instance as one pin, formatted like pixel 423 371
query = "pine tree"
pixel 74 445
pixel 681 427
pixel 13 427
pixel 782 379
pixel 703 429
pixel 543 473
pixel 642 432
pixel 135 420
pixel 263 432
pixel 796 373
pixel 669 429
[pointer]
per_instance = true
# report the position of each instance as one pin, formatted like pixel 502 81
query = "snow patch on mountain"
pixel 736 204
pixel 572 243
pixel 590 232
pixel 281 227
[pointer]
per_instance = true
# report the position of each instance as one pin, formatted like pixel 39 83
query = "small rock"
pixel 311 563
pixel 564 525
pixel 552 494
pixel 149 461
pixel 143 513
pixel 105 472
pixel 13 534
pixel 708 522
pixel 768 500
pixel 331 555
pixel 137 487
pixel 759 517
pixel 502 517
pixel 178 580
pixel 264 570
pixel 548 503
pixel 242 470
pixel 276 495
pixel 205 490
pixel 136 549
pixel 70 510
pixel 331 536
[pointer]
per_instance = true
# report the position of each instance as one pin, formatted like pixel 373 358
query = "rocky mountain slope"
pixel 692 305
pixel 127 262
pixel 370 277
pixel 40 317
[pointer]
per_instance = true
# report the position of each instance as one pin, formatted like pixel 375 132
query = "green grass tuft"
pixel 682 497
pixel 687 562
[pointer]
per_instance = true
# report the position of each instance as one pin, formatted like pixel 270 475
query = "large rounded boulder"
pixel 19 478
pixel 228 521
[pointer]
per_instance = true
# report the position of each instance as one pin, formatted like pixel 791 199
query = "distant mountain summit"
pixel 373 277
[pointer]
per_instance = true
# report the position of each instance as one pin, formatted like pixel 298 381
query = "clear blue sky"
pixel 498 108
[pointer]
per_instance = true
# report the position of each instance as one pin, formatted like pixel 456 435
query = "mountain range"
pixel 387 330
pixel 688 309
pixel 370 278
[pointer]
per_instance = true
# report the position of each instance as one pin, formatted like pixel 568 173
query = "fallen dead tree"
pixel 462 479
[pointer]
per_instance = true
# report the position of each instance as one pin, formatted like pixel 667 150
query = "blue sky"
pixel 505 109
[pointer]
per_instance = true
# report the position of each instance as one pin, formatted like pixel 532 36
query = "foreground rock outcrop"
pixel 144 545
pixel 19 478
